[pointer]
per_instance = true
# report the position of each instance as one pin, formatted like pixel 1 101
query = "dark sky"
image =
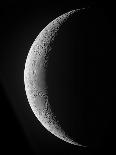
pixel 19 26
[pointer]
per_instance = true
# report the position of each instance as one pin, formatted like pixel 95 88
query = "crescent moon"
pixel 36 64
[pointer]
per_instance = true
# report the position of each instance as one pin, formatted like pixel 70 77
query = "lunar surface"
pixel 34 78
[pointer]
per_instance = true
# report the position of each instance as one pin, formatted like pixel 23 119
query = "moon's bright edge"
pixel 35 64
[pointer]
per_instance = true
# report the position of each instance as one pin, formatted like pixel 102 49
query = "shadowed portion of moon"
pixel 79 78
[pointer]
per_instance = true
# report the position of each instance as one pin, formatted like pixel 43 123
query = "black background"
pixel 89 106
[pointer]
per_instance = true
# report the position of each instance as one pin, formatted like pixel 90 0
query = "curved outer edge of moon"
pixel 36 59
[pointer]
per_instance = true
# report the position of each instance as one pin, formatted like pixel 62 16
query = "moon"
pixel 34 77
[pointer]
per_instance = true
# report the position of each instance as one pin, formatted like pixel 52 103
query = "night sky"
pixel 81 78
